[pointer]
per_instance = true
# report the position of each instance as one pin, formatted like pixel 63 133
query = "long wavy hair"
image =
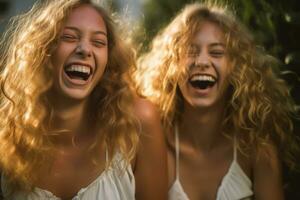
pixel 259 109
pixel 26 76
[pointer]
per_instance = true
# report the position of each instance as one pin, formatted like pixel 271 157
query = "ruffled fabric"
pixel 114 183
pixel 235 184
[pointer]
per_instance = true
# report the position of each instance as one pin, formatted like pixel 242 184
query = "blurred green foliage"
pixel 274 23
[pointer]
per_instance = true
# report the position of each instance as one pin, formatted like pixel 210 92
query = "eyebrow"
pixel 77 30
pixel 217 44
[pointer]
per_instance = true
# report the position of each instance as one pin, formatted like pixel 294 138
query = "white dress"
pixel 112 184
pixel 235 185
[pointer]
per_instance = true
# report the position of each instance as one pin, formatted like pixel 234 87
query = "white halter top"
pixel 111 184
pixel 235 184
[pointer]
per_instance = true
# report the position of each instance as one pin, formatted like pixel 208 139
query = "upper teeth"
pixel 79 68
pixel 203 78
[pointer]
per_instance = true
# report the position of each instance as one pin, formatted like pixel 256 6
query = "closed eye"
pixel 217 53
pixel 68 38
pixel 99 43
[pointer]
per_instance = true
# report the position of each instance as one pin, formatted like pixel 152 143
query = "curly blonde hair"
pixel 26 76
pixel 259 109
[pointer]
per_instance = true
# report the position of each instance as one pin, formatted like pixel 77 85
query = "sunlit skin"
pixel 206 55
pixel 83 41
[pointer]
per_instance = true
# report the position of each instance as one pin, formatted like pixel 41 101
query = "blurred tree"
pixel 265 18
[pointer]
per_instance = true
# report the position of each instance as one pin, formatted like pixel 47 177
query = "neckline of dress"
pixel 229 170
pixel 82 190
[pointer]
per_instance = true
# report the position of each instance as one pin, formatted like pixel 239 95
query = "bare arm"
pixel 151 162
pixel 267 175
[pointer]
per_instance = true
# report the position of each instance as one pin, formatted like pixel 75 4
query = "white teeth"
pixel 79 68
pixel 203 78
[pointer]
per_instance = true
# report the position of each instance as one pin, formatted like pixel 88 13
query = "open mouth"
pixel 202 81
pixel 78 72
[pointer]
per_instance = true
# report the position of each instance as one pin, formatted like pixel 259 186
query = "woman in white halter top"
pixel 71 124
pixel 232 111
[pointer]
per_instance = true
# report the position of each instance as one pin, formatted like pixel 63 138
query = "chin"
pixel 75 94
pixel 202 103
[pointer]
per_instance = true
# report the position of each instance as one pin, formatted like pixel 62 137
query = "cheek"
pixel 102 58
pixel 60 54
pixel 55 57
pixel 182 70
pixel 186 63
pixel 101 61
pixel 225 84
pixel 222 67
pixel 56 61
pixel 182 88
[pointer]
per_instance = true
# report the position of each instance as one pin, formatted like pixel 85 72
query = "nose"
pixel 202 60
pixel 83 49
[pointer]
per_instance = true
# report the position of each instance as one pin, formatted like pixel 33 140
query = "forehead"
pixel 208 33
pixel 86 17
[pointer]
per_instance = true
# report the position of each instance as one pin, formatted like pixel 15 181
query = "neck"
pixel 201 127
pixel 69 120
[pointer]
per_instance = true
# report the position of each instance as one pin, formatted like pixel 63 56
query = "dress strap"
pixel 177 152
pixel 106 156
pixel 234 148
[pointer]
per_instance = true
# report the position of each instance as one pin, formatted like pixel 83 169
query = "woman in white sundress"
pixel 225 110
pixel 71 125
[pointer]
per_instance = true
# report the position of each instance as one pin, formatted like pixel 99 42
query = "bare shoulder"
pixel 267 173
pixel 266 156
pixel 146 112
pixel 150 125
pixel 152 155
